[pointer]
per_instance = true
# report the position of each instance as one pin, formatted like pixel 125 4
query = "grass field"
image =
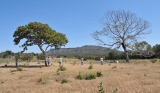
pixel 139 76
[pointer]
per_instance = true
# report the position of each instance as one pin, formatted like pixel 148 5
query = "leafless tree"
pixel 121 29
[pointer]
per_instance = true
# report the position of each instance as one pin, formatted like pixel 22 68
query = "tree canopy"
pixel 121 29
pixel 36 33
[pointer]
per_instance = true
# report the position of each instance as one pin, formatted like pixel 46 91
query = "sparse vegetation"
pixel 82 79
pixel 64 81
pixel 101 90
pixel 19 69
pixel 90 67
pixel 79 76
pixel 154 60
pixel 90 76
pixel 62 68
pixel 99 73
pixel 43 79
pixel 114 67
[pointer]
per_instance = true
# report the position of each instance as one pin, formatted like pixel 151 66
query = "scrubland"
pixel 138 76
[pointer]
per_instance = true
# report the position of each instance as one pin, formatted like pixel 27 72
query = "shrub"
pixel 19 69
pixel 40 79
pixel 90 76
pixel 114 67
pixel 62 68
pixel 90 67
pixel 99 73
pixel 58 71
pixel 64 81
pixel 2 82
pixel 128 73
pixel 101 90
pixel 154 60
pixel 43 79
pixel 79 76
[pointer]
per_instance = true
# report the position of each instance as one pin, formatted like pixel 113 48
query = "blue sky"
pixel 78 19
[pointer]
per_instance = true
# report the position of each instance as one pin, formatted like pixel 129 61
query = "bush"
pixel 43 79
pixel 99 73
pixel 154 60
pixel 101 90
pixel 79 76
pixel 19 69
pixel 90 67
pixel 58 71
pixel 114 67
pixel 64 81
pixel 62 68
pixel 90 76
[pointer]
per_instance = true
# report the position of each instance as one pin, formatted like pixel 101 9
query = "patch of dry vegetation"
pixel 136 77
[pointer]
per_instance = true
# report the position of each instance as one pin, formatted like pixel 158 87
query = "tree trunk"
pixel 127 58
pixel 44 55
pixel 126 52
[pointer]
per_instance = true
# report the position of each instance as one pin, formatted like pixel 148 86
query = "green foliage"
pixel 6 54
pixel 40 79
pixel 90 76
pixel 99 73
pixel 62 68
pixel 27 57
pixel 154 60
pixel 19 69
pixel 58 71
pixel 90 67
pixel 36 33
pixel 128 73
pixel 101 90
pixel 156 50
pixel 43 79
pixel 79 76
pixel 64 81
pixel 114 67
pixel 40 57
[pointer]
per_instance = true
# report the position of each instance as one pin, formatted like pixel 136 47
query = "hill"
pixel 87 50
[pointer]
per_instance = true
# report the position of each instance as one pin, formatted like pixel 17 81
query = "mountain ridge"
pixel 89 50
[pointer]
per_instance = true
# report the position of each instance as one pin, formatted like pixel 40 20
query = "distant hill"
pixel 84 50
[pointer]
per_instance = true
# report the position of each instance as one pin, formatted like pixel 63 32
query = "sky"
pixel 78 19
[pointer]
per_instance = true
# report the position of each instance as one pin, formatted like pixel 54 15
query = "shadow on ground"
pixel 24 66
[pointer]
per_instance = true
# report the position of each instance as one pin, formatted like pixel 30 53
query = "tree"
pixel 36 33
pixel 156 50
pixel 121 29
pixel 142 49
pixel 27 57
pixel 6 54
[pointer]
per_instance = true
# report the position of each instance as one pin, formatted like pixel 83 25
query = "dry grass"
pixel 135 77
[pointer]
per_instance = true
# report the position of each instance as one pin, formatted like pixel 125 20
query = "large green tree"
pixel 142 49
pixel 121 29
pixel 156 50
pixel 36 33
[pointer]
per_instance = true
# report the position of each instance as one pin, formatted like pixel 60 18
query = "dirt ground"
pixel 134 77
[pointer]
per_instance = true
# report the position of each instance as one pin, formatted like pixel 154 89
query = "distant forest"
pixel 90 52
pixel 95 52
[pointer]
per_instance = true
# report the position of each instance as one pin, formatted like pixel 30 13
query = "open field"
pixel 136 77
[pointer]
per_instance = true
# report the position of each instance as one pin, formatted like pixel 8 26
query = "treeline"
pixel 141 50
